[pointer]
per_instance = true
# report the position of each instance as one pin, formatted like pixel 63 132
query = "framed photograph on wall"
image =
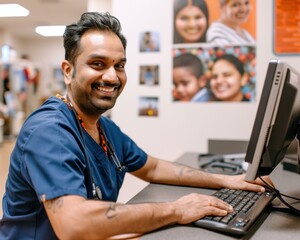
pixel 214 61
pixel 149 75
pixel 214 74
pixel 206 21
pixel 149 41
pixel 148 106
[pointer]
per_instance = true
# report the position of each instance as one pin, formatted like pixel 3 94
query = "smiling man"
pixel 69 162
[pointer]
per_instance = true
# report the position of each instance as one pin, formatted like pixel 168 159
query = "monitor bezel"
pixel 275 80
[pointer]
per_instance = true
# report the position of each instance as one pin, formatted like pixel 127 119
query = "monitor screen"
pixel 277 119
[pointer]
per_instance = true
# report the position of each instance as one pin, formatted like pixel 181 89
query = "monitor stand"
pixel 291 162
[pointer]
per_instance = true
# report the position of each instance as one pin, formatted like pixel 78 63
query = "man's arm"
pixel 160 171
pixel 74 217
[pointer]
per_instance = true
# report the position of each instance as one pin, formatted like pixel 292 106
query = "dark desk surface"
pixel 276 225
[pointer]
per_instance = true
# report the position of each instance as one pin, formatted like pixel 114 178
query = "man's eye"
pixel 97 64
pixel 120 66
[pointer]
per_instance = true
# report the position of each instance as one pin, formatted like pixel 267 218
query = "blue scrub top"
pixel 49 161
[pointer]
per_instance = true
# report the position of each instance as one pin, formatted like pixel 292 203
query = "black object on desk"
pixel 229 164
pixel 224 157
pixel 291 164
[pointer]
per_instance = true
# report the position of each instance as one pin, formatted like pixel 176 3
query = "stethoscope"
pixel 96 191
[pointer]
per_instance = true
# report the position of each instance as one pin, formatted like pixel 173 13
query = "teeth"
pixel 222 88
pixel 191 31
pixel 106 89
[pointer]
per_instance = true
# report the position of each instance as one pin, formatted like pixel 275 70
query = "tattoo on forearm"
pixel 190 170
pixel 54 204
pixel 183 169
pixel 111 211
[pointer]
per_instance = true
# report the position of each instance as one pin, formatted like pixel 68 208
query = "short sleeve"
pixel 54 162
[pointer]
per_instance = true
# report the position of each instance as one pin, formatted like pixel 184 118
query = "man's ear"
pixel 67 69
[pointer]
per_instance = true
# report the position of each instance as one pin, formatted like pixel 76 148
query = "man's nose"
pixel 109 74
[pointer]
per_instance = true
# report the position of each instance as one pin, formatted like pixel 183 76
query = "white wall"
pixel 101 6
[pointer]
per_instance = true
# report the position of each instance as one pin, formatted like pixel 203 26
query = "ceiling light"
pixel 13 10
pixel 50 31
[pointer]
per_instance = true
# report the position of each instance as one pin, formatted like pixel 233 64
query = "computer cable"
pixel 280 196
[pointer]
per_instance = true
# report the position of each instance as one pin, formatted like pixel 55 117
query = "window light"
pixel 50 31
pixel 13 10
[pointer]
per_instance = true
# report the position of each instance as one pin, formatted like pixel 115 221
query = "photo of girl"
pixel 228 77
pixel 190 21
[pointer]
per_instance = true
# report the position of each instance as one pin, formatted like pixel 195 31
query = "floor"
pixel 5 150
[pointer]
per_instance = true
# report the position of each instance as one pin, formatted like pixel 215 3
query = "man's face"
pixel 99 76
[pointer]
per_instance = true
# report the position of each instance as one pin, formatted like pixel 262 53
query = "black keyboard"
pixel 248 206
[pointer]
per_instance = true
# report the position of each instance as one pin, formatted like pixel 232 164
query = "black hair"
pixel 178 5
pixel 234 60
pixel 222 3
pixel 89 21
pixel 191 61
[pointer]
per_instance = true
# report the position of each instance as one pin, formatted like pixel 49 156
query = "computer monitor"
pixel 276 123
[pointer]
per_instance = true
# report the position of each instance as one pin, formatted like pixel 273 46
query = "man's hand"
pixel 238 182
pixel 195 206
